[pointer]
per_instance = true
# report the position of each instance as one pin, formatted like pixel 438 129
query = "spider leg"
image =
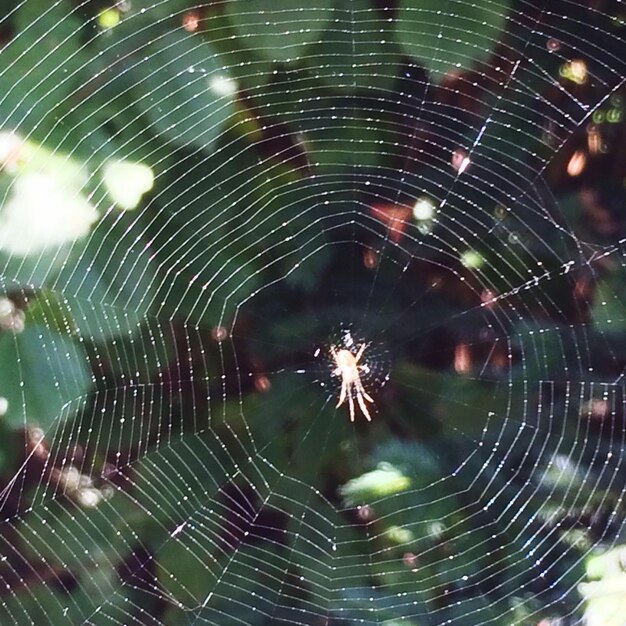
pixel 351 403
pixel 359 354
pixel 363 406
pixel 361 391
pixel 342 395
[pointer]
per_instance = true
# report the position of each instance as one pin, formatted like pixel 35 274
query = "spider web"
pixel 200 200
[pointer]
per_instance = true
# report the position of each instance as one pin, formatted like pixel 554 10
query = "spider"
pixel 348 368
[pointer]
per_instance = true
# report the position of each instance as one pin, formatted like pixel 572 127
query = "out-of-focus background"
pixel 202 202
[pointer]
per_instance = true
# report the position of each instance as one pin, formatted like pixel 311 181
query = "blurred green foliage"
pixel 198 199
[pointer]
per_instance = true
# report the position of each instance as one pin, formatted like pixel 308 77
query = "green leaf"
pixel 44 70
pixel 63 534
pixel 245 586
pixel 206 246
pixel 203 466
pixel 109 282
pixel 340 136
pixel 100 600
pixel 451 36
pixel 45 376
pixel 183 89
pixel 8 6
pixel 608 312
pixel 279 31
pixel 456 403
pixel 40 604
pixel 184 570
pixel 142 356
pixel 357 50
pixel 90 541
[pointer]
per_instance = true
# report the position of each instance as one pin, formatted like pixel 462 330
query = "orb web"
pixel 199 200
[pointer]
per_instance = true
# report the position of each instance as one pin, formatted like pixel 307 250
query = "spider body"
pixel 350 371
